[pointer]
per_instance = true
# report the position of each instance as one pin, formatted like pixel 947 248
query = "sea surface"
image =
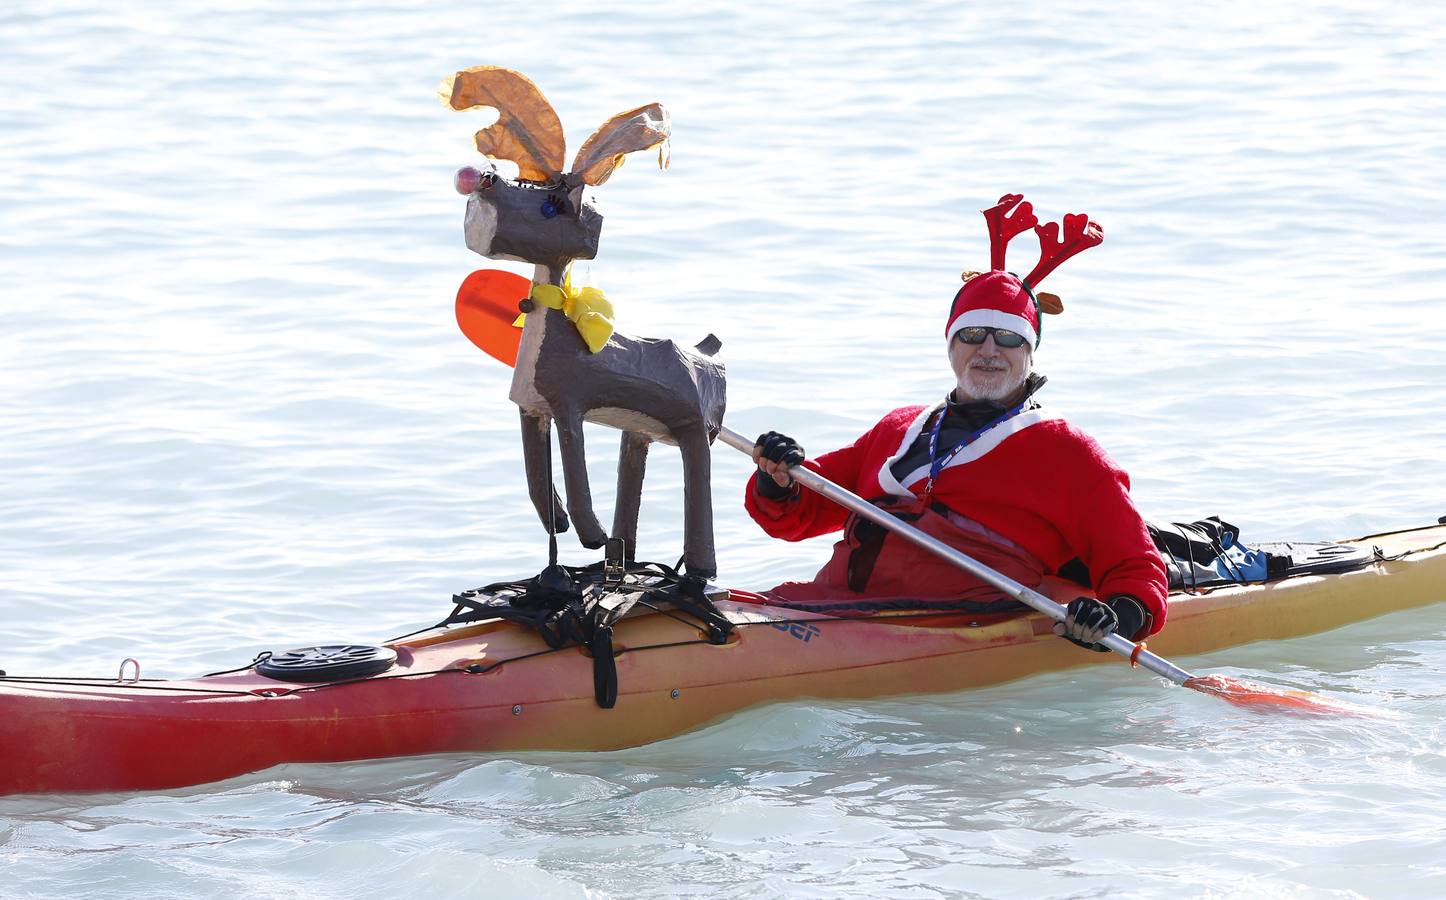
pixel 236 415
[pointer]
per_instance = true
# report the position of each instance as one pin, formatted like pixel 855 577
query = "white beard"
pixel 975 385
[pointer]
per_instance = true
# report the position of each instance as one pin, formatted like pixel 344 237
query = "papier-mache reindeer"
pixel 650 389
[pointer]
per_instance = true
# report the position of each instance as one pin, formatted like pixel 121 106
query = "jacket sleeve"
pixel 804 514
pixel 1112 540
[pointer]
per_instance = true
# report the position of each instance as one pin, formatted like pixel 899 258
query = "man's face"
pixel 988 371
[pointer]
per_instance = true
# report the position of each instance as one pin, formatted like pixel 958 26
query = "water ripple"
pixel 237 416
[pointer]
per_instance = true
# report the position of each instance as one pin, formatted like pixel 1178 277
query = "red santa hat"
pixel 1001 299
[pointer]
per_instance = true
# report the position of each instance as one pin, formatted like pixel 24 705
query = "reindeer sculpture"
pixel 650 389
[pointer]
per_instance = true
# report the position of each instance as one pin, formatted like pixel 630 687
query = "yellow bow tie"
pixel 588 309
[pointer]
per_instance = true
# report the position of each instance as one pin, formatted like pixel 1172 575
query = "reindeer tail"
pixel 709 346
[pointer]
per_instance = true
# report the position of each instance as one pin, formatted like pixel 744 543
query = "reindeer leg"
pixel 574 476
pixel 536 462
pixel 632 460
pixel 698 550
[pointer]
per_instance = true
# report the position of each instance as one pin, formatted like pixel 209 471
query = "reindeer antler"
pixel 527 130
pixel 1004 227
pixel 637 129
pixel 1080 234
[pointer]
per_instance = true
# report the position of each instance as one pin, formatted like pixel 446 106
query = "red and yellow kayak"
pixel 496 686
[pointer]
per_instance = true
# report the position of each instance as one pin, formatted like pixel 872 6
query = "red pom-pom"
pixel 467 180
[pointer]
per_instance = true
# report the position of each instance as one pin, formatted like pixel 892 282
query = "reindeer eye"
pixel 555 205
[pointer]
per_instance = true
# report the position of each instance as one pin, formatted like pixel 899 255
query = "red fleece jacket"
pixel 1040 482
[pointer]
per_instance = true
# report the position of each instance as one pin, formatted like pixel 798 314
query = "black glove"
pixel 779 448
pixel 1121 614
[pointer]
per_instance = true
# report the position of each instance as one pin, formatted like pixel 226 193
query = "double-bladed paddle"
pixel 487 311
pixel 1245 693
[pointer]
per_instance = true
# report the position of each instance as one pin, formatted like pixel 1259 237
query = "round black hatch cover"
pixel 330 662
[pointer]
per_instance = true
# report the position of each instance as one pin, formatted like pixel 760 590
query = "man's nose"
pixel 989 344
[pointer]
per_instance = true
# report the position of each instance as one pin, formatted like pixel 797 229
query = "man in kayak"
pixel 985 470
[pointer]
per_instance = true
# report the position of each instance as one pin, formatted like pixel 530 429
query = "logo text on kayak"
pixel 801 630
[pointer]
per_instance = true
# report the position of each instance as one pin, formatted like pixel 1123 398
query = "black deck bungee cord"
pixel 161 684
pixel 283 690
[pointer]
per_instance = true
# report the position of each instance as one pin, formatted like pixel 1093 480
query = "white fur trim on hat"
pixel 992 318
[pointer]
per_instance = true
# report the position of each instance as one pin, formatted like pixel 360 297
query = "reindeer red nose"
pixel 468 180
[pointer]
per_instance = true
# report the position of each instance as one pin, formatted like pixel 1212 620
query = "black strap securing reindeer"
pixel 584 614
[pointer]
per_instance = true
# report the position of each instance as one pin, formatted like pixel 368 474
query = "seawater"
pixel 237 415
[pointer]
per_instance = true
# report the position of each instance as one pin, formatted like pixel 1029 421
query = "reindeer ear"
pixel 1049 303
pixel 637 129
pixel 527 130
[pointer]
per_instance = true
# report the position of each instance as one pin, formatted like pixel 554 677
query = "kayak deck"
pixel 497 686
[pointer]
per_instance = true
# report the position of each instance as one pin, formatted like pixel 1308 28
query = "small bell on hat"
pixel 1001 299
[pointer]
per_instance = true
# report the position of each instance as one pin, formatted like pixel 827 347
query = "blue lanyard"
pixel 937 462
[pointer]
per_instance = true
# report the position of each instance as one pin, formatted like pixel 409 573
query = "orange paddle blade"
pixel 1261 696
pixel 487 307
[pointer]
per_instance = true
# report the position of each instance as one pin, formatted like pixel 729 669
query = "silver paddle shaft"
pixel 1035 600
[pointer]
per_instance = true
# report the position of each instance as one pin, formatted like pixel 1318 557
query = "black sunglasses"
pixel 975 334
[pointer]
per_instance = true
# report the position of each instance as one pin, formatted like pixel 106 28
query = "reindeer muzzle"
pixel 507 220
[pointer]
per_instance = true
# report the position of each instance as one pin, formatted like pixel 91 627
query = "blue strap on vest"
pixel 937 463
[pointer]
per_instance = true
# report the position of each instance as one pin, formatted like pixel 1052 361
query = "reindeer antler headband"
pixel 1013 215
pixel 1001 299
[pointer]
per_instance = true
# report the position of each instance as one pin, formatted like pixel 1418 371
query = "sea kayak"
pixel 495 684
